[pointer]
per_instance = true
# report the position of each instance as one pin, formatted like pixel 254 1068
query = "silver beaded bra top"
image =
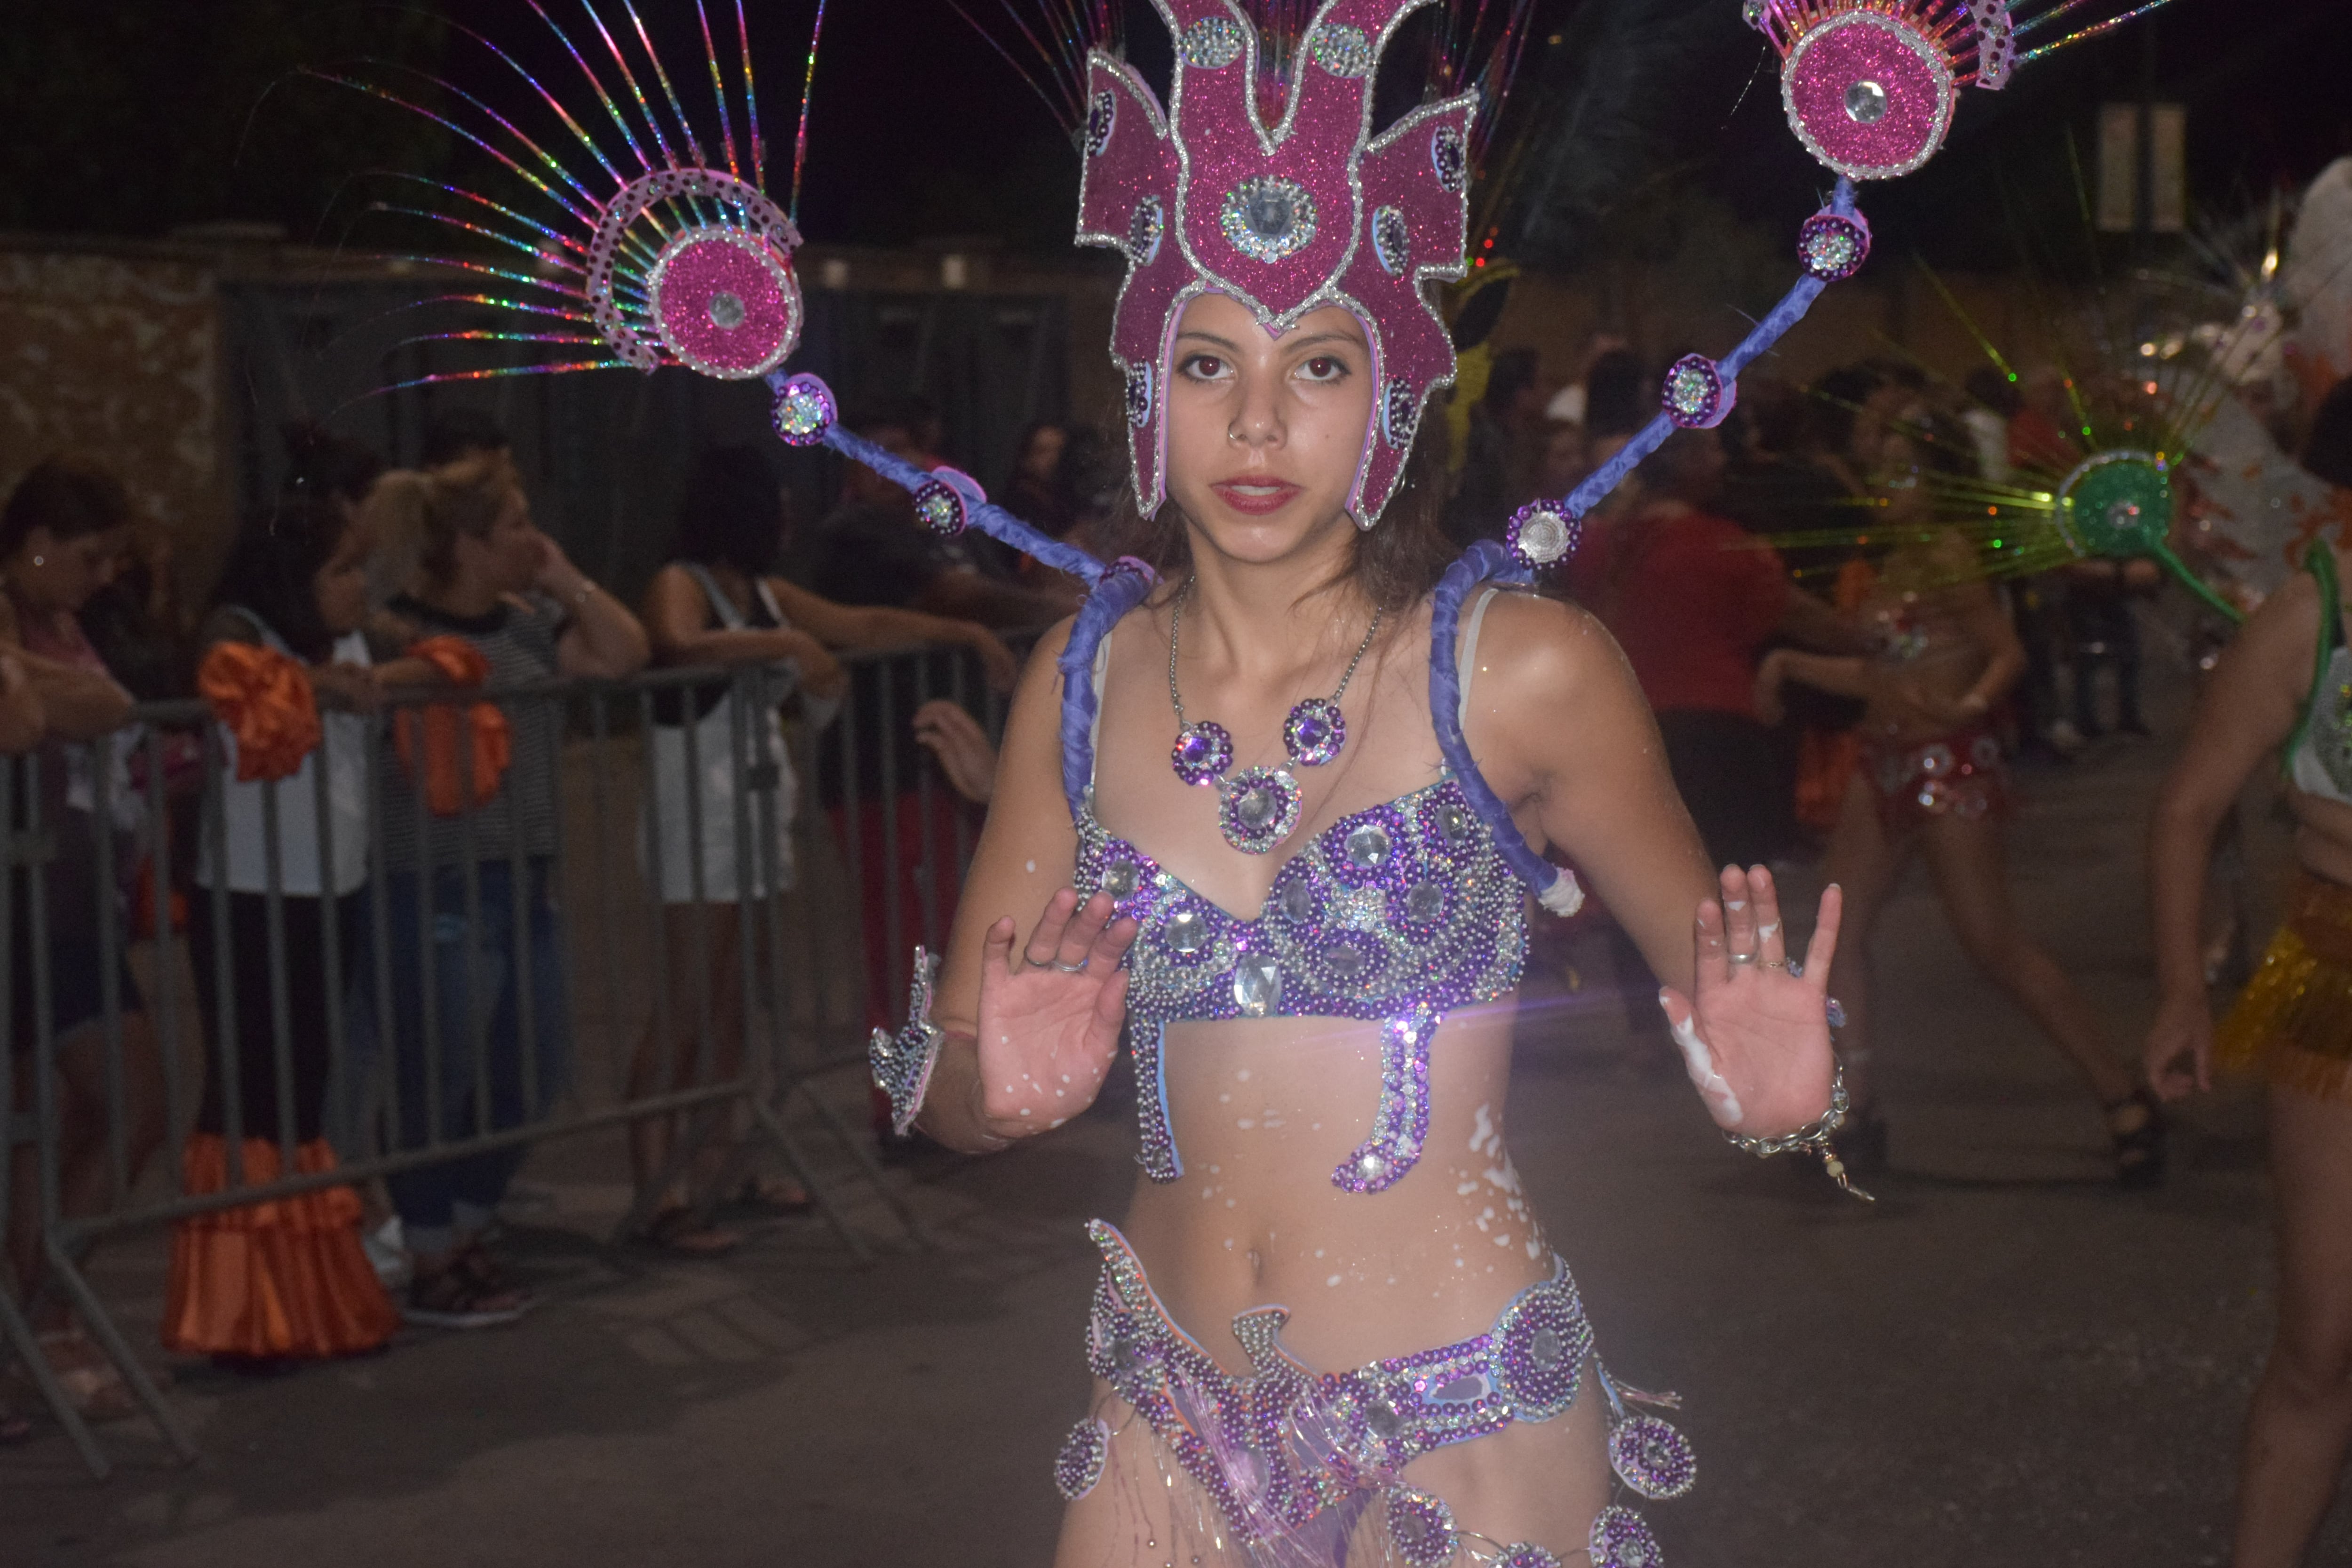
pixel 1403 913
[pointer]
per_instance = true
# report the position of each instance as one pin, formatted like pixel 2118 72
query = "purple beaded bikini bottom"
pixel 1294 1458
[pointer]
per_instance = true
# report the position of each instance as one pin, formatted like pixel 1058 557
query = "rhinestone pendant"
pixel 1260 809
pixel 1315 732
pixel 1203 752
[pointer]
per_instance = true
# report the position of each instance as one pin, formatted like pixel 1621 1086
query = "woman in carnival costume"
pixel 1372 740
pixel 1273 791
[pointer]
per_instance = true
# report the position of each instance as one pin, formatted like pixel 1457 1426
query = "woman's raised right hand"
pixel 1049 1015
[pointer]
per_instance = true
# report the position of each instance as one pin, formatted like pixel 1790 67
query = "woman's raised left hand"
pixel 1757 1037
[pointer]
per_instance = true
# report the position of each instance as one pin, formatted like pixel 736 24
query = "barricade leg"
pixel 67 1271
pixel 18 1334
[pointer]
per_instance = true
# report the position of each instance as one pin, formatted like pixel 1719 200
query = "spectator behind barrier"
pixel 65 529
pixel 719 602
pixel 501 596
pixel 257 1287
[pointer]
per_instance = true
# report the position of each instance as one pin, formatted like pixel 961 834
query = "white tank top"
pixel 344 747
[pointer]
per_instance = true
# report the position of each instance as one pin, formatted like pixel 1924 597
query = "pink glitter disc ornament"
pixel 725 303
pixel 1870 86
pixel 1868 95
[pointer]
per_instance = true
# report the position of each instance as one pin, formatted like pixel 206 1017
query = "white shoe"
pixel 387 1253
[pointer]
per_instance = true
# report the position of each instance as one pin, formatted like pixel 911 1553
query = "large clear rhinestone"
pixel 1453 822
pixel 1382 1418
pixel 1865 102
pixel 1258 985
pixel 726 310
pixel 1297 900
pixel 1188 932
pixel 1423 899
pixel 1544 1347
pixel 1258 807
pixel 1368 846
pixel 1120 879
pixel 1343 961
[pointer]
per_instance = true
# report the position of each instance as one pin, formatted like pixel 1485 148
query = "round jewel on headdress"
pixel 1212 43
pixel 1400 413
pixel 1451 158
pixel 1832 247
pixel 2117 505
pixel 1620 1540
pixel 1138 396
pixel 1269 217
pixel 1543 534
pixel 1102 114
pixel 1079 1465
pixel 723 303
pixel 1868 93
pixel 1695 395
pixel 1392 240
pixel 1342 50
pixel 941 507
pixel 1145 229
pixel 1652 1457
pixel 1423 1528
pixel 804 411
pixel 1527 1555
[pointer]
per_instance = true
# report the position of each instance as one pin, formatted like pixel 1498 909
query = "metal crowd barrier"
pixel 878 835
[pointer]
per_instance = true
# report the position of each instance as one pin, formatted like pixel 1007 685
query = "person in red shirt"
pixel 1692 597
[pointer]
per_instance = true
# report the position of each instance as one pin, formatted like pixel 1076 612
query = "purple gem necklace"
pixel 1258 807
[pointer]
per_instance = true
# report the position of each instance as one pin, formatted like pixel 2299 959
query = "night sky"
pixel 140 115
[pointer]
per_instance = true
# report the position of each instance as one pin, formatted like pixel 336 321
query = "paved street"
pixel 2006 1361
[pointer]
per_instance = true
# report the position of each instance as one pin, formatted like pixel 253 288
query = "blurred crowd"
pixel 339 636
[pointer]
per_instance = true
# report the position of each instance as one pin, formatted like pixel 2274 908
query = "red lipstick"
pixel 1257 495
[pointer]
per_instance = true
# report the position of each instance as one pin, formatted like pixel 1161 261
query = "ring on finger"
pixel 1077 968
pixel 1775 964
pixel 1740 957
pixel 1034 962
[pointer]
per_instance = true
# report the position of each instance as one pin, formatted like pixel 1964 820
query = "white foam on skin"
pixel 1485 1138
pixel 1699 1062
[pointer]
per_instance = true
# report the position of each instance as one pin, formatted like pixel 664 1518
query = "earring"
pixel 40 560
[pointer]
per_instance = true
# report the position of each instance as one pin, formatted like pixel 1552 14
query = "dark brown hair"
pixel 71 494
pixel 1395 563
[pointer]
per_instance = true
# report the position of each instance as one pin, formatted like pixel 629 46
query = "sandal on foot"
pixel 2136 1123
pixel 90 1382
pixel 450 1301
pixel 674 1230
pixel 775 1195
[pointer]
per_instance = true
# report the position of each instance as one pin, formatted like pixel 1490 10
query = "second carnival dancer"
pixel 1238 815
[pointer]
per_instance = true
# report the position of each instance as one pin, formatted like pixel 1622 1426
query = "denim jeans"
pixel 475 989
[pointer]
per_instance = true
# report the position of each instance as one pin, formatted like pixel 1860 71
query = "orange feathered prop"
pixel 435 730
pixel 264 699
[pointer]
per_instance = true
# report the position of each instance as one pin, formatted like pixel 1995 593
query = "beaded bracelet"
pixel 902 1062
pixel 1814 1138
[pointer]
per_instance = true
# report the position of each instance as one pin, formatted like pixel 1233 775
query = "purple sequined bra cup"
pixel 1291 1455
pixel 1400 913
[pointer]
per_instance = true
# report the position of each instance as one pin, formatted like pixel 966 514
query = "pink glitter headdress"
pixel 1263 179
pixel 1870 86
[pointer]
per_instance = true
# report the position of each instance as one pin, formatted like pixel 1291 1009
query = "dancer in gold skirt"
pixel 2285 682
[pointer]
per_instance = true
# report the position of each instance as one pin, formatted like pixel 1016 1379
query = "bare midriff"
pixel 1263 1110
pixel 1925 655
